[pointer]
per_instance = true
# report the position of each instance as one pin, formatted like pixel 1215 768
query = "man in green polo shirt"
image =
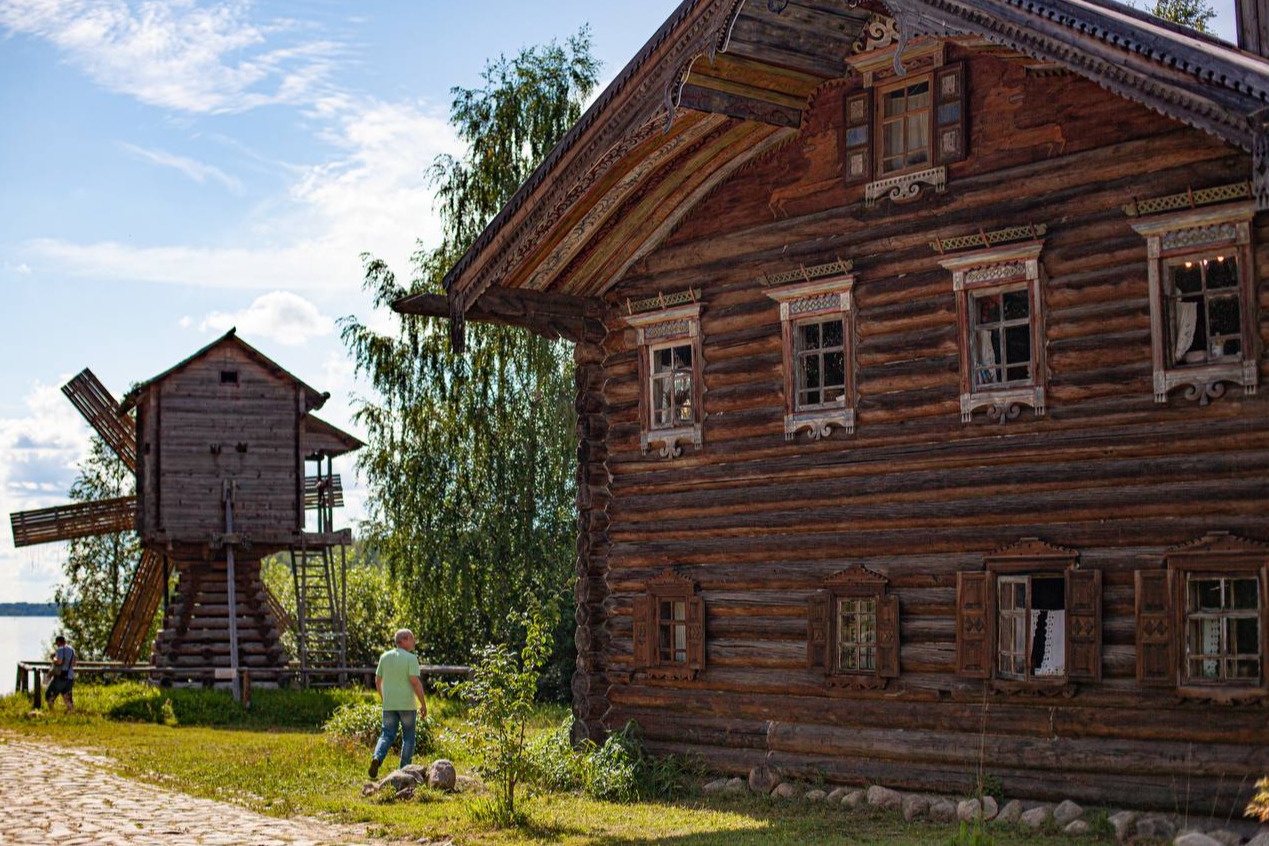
pixel 397 679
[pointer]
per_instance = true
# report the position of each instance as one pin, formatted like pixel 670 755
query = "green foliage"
pixel 968 835
pixel 985 784
pixel 1099 824
pixel 609 772
pixel 361 722
pixel 501 692
pixel 98 570
pixel 1192 13
pixel 470 459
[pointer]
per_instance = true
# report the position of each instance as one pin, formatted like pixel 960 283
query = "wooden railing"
pixel 28 676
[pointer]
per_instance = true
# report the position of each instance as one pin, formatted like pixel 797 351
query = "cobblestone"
pixel 51 794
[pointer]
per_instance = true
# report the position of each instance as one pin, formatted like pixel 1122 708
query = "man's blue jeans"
pixel 391 720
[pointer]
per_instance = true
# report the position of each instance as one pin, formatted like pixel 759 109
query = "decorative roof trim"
pixel 1190 199
pixel 980 239
pixel 1220 543
pixel 1033 549
pixel 841 267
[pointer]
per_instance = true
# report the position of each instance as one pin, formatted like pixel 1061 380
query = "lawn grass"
pixel 294 771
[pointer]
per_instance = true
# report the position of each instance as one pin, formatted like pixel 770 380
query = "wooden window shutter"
pixel 858 157
pixel 951 105
pixel 888 637
pixel 819 631
pixel 1084 624
pixel 643 623
pixel 1155 662
pixel 696 633
pixel 975 619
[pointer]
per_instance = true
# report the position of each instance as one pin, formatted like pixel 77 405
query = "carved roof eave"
pixel 1221 544
pixel 1190 78
pixel 1032 549
pixel 668 581
pixel 856 575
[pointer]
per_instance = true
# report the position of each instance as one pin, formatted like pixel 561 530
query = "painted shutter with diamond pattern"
pixel 643 644
pixel 818 629
pixel 888 637
pixel 1084 624
pixel 859 138
pixel 696 633
pixel 974 619
pixel 1156 664
pixel 950 136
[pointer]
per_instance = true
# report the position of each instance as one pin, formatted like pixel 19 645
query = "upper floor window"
pixel 817 335
pixel 668 339
pixel 1204 332
pixel 1201 617
pixel 904 118
pixel 669 628
pixel 853 629
pixel 1000 307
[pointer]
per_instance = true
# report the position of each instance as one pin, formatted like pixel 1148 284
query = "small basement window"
pixel 229 377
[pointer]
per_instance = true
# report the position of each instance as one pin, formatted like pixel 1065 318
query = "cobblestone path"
pixel 51 794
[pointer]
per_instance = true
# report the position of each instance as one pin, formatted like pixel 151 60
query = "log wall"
pixel 915 494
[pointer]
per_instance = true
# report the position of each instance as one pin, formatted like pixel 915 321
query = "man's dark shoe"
pixel 374 768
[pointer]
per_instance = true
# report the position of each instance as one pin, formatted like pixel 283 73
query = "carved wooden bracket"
pixel 906 186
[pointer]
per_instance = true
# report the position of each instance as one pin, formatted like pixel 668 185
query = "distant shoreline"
pixel 28 609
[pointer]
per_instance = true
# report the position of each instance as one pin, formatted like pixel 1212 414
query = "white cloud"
pixel 38 453
pixel 177 54
pixel 198 171
pixel 24 269
pixel 185 322
pixel 372 197
pixel 281 316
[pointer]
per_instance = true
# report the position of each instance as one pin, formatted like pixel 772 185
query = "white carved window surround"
pixel 817 334
pixel 670 385
pixel 1204 328
pixel 1000 317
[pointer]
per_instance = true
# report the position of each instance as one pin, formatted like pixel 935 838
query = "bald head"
pixel 404 638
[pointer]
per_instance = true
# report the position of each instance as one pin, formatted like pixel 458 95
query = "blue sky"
pixel 171 169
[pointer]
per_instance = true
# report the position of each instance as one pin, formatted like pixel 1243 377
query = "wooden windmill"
pixel 219 445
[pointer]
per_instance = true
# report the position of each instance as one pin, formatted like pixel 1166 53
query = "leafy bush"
pixel 971 836
pixel 602 772
pixel 1258 808
pixel 361 723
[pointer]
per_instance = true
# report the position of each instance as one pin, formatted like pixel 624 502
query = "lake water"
pixel 22 639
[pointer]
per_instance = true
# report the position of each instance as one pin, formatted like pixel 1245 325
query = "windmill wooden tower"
pixel 228 459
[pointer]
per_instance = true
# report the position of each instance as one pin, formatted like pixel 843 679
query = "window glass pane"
pixel 1205 637
pixel 1245 593
pixel 832 333
pixel 919 95
pixel 1017 306
pixel 1021 373
pixel 661 360
pixel 892 103
pixel 949 113
pixel 683 356
pixel 660 401
pixel 918 132
pixel 835 369
pixel 1245 668
pixel 811 371
pixel 892 138
pixel 1244 636
pixel 1187 278
pixel 1204 669
pixel 809 334
pixel 1224 317
pixel 1222 272
pixel 1205 594
pixel 988 308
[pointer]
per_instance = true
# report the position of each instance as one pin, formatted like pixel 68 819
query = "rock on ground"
pixel 854 799
pixel 1066 813
pixel 785 791
pixel 1123 823
pixel 1077 828
pixel 915 806
pixel 441 775
pixel 735 785
pixel 967 810
pixel 1010 813
pixel 1195 838
pixel 715 786
pixel 1036 817
pixel 815 796
pixel 762 779
pixel 943 810
pixel 838 795
pixel 1157 826
pixel 884 798
pixel 1226 837
pixel 1261 839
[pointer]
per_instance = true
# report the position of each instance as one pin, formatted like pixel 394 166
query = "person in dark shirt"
pixel 63 682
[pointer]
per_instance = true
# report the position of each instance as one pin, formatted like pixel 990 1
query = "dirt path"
pixel 52 794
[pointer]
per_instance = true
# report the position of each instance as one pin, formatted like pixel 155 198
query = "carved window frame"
pixel 978 611
pixel 672 326
pixel 995 270
pixel 817 301
pixel 1162 615
pixel 824 635
pixel 1195 235
pixel 668 587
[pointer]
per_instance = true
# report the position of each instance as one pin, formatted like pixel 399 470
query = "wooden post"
pixel 39 690
pixel 1253 25
pixel 246 688
pixel 233 598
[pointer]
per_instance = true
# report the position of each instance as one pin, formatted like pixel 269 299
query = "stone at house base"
pixel 1123 823
pixel 1157 826
pixel 815 796
pixel 838 795
pixel 715 786
pixel 1036 817
pixel 1066 813
pixel 1226 837
pixel 943 810
pixel 1077 828
pixel 1195 838
pixel 736 785
pixel 441 775
pixel 915 806
pixel 854 799
pixel 884 798
pixel 762 779
pixel 784 790
pixel 968 810
pixel 1010 813
pixel 1261 839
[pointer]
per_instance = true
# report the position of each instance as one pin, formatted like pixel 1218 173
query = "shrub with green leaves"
pixel 361 722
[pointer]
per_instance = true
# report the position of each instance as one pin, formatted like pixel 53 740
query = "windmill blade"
pixel 138 609
pixel 102 412
pixel 312 490
pixel 81 520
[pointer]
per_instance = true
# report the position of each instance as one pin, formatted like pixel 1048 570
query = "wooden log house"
pixel 918 355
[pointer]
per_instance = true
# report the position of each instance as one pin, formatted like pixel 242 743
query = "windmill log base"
pixel 195 627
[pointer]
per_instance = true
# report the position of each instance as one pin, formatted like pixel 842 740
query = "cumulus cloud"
pixel 280 316
pixel 198 171
pixel 39 449
pixel 177 54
